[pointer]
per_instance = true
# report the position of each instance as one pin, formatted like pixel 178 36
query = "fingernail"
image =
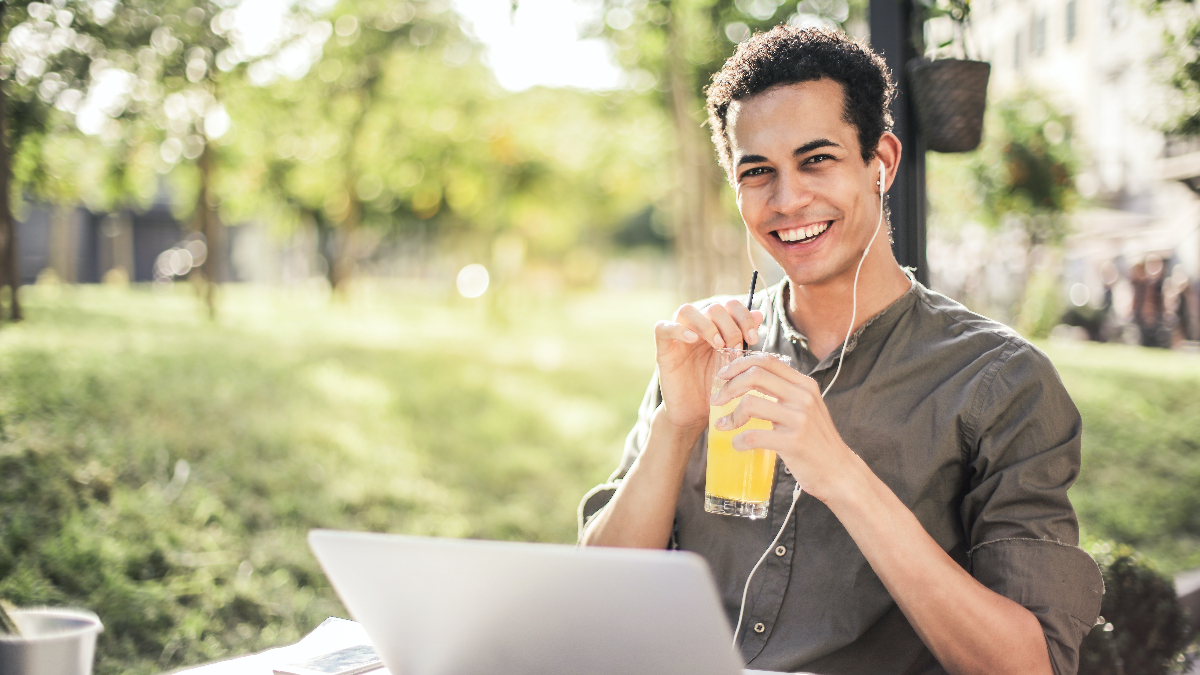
pixel 689 335
pixel 713 399
pixel 723 423
pixel 752 337
pixel 718 342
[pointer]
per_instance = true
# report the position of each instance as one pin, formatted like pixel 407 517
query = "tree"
pixel 198 53
pixel 371 144
pixel 1025 175
pixel 1181 42
pixel 45 61
pixel 350 142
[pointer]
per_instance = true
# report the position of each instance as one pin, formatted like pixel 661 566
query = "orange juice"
pixel 737 482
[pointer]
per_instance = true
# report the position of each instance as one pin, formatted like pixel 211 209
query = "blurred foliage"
pixel 1042 307
pixel 941 28
pixel 1180 64
pixel 163 471
pixel 1026 167
pixel 691 39
pixel 1143 628
pixel 342 122
pixel 1021 180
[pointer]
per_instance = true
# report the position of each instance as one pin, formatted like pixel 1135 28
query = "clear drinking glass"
pixel 737 482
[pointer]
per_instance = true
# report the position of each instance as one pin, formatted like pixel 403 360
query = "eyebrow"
pixel 802 150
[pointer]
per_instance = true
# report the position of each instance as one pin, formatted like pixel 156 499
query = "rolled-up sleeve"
pixel 1024 455
pixel 598 497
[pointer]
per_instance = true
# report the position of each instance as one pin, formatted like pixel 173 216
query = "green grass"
pixel 394 411
pixel 163 470
pixel 1140 480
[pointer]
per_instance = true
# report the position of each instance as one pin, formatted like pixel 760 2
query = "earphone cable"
pixel 797 491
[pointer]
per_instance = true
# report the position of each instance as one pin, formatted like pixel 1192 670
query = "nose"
pixel 791 193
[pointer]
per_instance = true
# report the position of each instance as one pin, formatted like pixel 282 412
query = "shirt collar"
pixel 873 329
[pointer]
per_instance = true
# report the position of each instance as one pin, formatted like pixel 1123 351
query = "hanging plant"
pixel 949 89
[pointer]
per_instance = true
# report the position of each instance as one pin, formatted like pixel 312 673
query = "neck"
pixel 822 311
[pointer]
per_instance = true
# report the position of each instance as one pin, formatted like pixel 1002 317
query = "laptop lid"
pixel 453 607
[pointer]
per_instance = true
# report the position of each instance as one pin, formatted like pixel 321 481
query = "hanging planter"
pixel 950 96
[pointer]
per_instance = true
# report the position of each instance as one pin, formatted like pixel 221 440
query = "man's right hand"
pixel 684 349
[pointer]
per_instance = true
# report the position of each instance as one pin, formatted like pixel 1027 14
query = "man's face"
pixel 802 187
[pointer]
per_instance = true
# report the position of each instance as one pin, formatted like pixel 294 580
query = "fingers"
pixel 699 323
pixel 764 439
pixel 721 326
pixel 667 331
pixel 747 321
pixel 764 374
pixel 757 407
pixel 765 361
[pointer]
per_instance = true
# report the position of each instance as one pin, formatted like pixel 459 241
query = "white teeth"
pixel 802 232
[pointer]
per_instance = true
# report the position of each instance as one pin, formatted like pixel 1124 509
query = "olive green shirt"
pixel 972 429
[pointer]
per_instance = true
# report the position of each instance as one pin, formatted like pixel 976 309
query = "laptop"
pixel 457 607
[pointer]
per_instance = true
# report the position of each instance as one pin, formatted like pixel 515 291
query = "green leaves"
pixel 1026 166
pixel 7 625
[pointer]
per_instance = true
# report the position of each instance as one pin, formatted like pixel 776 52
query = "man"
pixel 934 533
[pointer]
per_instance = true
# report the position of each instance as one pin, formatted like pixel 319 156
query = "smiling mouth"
pixel 802 235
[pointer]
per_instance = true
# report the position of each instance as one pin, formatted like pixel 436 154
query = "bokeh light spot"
pixel 1080 295
pixel 472 281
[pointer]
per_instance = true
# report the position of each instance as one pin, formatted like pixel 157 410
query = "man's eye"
pixel 756 171
pixel 818 158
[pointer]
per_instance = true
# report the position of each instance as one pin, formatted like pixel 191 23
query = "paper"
pixel 333 634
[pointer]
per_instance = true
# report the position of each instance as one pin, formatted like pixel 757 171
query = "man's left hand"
pixel 803 433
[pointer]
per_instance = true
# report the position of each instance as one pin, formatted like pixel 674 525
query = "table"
pixel 331 635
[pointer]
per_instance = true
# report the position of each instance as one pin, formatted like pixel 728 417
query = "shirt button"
pixel 780 550
pixel 758 627
pixel 787 470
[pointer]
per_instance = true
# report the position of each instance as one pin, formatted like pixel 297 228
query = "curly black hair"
pixel 788 55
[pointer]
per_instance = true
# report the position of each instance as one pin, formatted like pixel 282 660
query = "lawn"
pixel 1140 481
pixel 163 469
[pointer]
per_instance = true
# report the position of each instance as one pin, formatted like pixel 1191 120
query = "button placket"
pixel 766 597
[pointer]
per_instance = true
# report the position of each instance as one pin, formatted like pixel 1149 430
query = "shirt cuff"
pixel 1059 583
pixel 591 504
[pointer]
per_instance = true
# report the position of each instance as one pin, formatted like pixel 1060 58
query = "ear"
pixel 888 154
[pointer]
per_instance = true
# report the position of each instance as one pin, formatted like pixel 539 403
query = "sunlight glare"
pixel 472 281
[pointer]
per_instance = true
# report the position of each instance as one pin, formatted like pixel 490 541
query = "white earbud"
pixel 881 177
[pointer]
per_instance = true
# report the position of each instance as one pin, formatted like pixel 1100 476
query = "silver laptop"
pixel 453 607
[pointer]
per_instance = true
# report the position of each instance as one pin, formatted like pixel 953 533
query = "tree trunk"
pixel 344 256
pixel 693 237
pixel 10 273
pixel 208 225
pixel 710 248
pixel 64 243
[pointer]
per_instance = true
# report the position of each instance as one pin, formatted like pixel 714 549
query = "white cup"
pixel 53 641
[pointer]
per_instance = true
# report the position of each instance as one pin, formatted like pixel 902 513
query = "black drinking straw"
pixel 750 304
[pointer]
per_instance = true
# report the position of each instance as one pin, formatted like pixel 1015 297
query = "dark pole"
pixel 10 275
pixel 891 36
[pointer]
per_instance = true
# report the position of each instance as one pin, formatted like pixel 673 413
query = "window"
pixel 1037 35
pixel 1071 4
